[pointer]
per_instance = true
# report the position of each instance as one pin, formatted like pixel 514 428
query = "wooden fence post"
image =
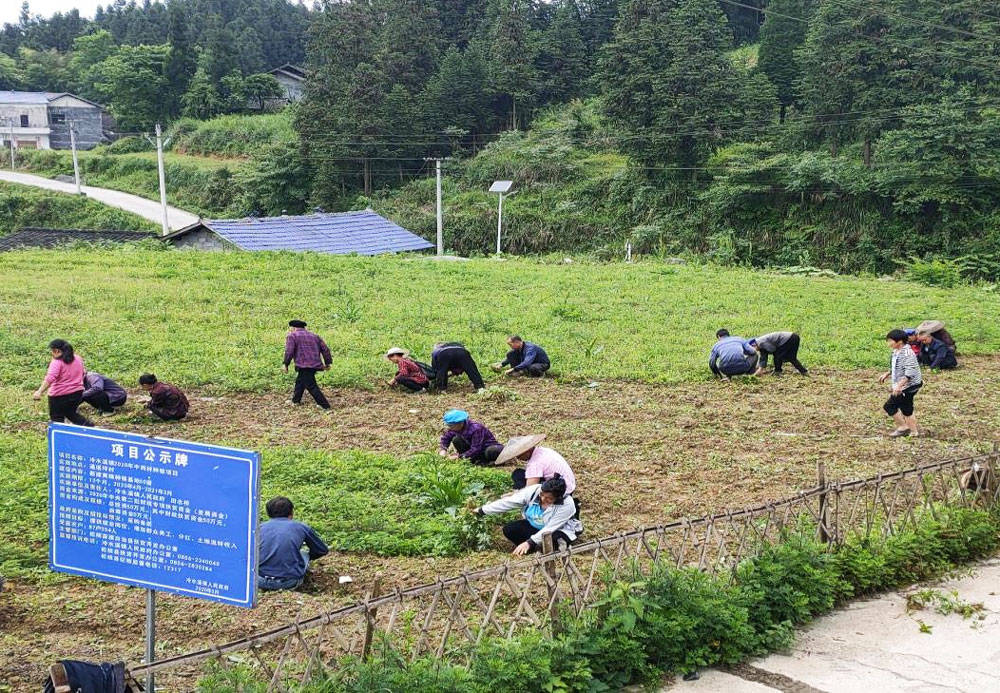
pixel 824 534
pixel 548 547
pixel 370 614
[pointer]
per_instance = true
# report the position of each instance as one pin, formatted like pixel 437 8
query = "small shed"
pixel 362 233
pixel 292 80
pixel 51 238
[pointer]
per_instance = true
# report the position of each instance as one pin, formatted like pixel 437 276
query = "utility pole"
pixel 160 144
pixel 10 121
pixel 76 161
pixel 440 210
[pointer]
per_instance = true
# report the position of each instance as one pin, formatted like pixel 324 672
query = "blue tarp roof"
pixel 364 233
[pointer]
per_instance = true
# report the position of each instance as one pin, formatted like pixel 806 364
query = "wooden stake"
pixel 370 614
pixel 824 534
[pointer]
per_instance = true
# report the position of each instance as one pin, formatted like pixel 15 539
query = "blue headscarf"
pixel 456 416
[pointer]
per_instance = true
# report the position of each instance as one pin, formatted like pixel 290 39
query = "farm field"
pixel 631 405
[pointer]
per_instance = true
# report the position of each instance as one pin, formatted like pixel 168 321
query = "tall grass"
pixel 22 206
pixel 232 135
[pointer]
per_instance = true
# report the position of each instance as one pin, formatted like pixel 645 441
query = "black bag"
pixel 70 676
pixel 427 369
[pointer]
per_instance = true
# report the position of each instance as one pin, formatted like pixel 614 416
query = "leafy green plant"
pixel 934 272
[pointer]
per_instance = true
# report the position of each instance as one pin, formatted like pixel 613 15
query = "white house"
pixel 42 120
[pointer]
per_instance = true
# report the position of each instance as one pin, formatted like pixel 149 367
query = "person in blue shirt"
pixel 282 562
pixel 732 356
pixel 935 353
pixel 524 358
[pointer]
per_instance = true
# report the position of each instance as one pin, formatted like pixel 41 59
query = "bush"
pixel 934 272
pixel 130 145
pixel 232 135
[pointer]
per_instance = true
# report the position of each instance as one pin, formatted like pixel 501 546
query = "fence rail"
pixel 447 617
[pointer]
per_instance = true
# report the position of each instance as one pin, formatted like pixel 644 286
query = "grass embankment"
pixel 218 320
pixel 232 135
pixel 22 206
pixel 199 184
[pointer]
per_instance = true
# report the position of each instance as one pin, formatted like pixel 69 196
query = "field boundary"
pixel 446 618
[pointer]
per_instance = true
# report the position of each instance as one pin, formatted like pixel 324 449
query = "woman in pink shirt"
pixel 64 383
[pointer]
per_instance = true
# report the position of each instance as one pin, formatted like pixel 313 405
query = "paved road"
pixel 148 209
pixel 875 647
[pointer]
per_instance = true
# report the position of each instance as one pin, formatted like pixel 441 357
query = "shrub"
pixel 934 272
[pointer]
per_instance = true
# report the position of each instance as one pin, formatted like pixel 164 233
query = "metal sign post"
pixel 150 638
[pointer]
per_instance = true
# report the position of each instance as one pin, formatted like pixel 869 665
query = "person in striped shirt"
pixel 904 373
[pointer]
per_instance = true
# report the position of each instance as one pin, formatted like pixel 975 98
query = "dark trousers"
pixel 789 351
pixel 305 379
pixel 461 360
pixel 519 531
pixel 99 401
pixel 903 402
pixel 62 407
pixel 535 370
pixel 166 414
pixel 749 366
pixel 411 384
pixel 488 456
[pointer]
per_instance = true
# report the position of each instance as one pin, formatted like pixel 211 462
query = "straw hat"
pixel 396 350
pixel 518 445
pixel 930 327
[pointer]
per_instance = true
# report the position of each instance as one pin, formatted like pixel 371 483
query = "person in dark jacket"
pixel 282 561
pixel 103 393
pixel 934 353
pixel 165 401
pixel 310 354
pixel 472 440
pixel 524 358
pixel 732 356
pixel 783 346
pixel 452 358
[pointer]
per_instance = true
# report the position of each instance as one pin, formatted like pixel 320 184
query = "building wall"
pixel 36 135
pixel 89 126
pixel 293 87
pixel 202 239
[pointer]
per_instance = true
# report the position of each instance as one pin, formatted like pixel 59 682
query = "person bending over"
pixel 409 374
pixel 165 401
pixel 452 358
pixel 472 440
pixel 283 561
pixel 541 464
pixel 524 358
pixel 103 393
pixel 545 509
pixel 783 346
pixel 732 356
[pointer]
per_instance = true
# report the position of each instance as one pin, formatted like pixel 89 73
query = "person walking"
pixel 64 383
pixel 904 372
pixel 310 354
pixel 103 393
pixel 452 358
pixel 783 346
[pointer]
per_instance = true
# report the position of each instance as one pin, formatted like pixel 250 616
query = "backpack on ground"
pixel 70 676
pixel 430 372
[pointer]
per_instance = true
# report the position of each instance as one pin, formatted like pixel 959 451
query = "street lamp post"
pixel 500 187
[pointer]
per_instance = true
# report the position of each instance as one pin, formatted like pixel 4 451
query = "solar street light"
pixel 500 187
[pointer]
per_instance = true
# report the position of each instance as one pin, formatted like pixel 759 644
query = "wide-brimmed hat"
pixel 518 445
pixel 930 327
pixel 396 350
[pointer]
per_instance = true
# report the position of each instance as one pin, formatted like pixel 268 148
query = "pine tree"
pixel 780 36
pixel 512 52
pixel 182 61
pixel 563 67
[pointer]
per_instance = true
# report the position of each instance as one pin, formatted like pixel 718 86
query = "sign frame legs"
pixel 150 638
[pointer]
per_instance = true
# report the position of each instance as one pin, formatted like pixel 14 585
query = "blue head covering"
pixel 456 416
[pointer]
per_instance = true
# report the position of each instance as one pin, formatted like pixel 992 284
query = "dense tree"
pixel 563 65
pixel 132 82
pixel 10 73
pixel 201 100
pixel 182 61
pixel 512 53
pixel 780 36
pixel 260 88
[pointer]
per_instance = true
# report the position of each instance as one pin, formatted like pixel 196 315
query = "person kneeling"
pixel 283 561
pixel 546 509
pixel 165 401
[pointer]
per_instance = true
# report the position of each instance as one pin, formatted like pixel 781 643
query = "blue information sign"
pixel 153 512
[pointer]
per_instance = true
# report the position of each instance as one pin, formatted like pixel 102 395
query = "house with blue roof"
pixel 346 233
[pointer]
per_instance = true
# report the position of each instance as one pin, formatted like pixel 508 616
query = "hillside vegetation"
pixel 218 319
pixel 22 206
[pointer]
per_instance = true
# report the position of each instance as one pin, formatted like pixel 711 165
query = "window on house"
pixel 58 118
pixel 24 121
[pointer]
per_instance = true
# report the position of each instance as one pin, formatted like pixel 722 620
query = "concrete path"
pixel 875 647
pixel 147 209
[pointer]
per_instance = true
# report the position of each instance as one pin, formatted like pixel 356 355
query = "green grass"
pixel 355 501
pixel 22 205
pixel 218 320
pixel 232 135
